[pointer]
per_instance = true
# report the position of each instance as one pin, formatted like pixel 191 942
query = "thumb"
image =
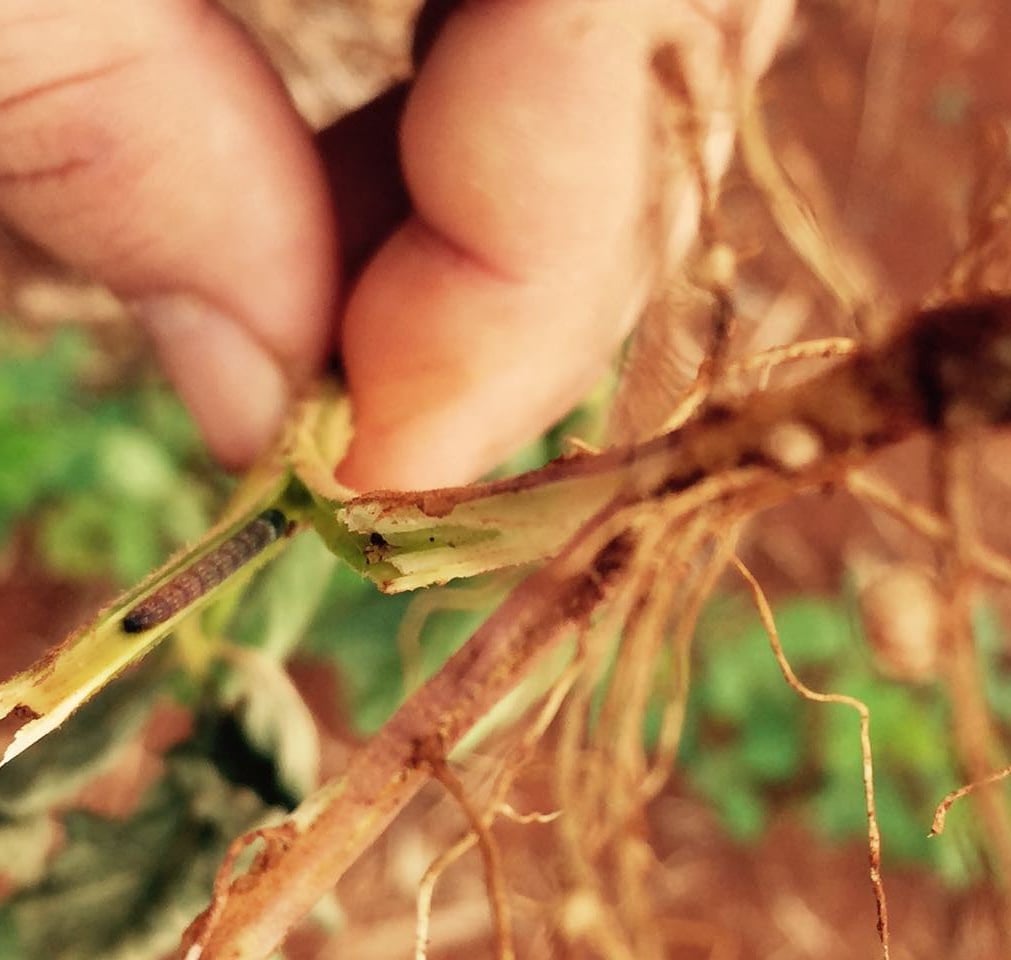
pixel 150 146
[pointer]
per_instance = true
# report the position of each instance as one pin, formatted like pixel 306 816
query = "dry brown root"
pixel 941 813
pixel 873 830
pixel 426 890
pixel 840 274
pixel 494 878
pixel 696 592
pixel 512 764
pixel 427 603
pixel 974 735
pixel 983 266
pixel 925 522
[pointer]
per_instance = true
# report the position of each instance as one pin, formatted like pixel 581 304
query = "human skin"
pixel 150 146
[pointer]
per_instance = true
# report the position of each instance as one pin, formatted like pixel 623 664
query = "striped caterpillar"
pixel 204 575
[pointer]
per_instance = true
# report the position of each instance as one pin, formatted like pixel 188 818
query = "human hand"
pixel 150 146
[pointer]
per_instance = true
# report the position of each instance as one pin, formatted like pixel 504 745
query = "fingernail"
pixel 234 388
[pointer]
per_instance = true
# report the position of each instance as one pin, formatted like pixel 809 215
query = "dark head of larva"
pixel 277 520
pixel 138 620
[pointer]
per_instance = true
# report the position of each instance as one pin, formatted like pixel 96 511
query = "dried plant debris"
pixel 125 888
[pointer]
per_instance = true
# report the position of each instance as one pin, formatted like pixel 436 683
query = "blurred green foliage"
pixel 753 747
pixel 112 479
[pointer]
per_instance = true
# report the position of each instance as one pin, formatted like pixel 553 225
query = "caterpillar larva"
pixel 204 575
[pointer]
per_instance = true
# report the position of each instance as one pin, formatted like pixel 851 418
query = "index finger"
pixel 527 150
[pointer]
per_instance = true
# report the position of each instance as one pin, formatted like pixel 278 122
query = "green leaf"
pixel 901 821
pixel 770 747
pixel 90 537
pixel 356 629
pixel 839 807
pixel 744 813
pixel 10 944
pixel 37 462
pixel 134 465
pixel 38 379
pixel 731 678
pixel 740 806
pixel 813 631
